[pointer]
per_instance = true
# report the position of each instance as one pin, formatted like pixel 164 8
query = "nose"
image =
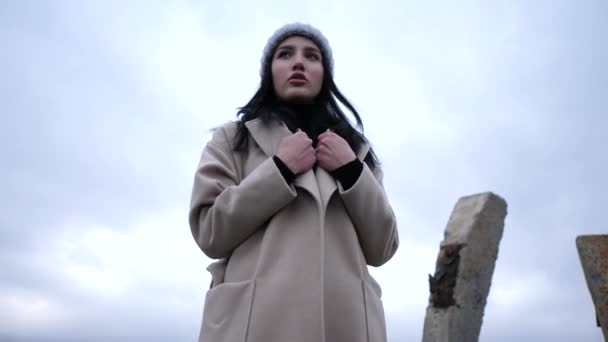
pixel 298 62
pixel 298 66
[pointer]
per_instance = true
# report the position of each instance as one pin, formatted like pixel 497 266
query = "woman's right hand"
pixel 297 153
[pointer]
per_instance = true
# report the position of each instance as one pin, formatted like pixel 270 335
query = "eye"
pixel 313 57
pixel 284 54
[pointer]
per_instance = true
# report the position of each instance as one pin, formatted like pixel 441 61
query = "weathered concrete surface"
pixel 464 269
pixel 593 252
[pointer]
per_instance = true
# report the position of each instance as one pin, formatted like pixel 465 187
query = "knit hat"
pixel 296 29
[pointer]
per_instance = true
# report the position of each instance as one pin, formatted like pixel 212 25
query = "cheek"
pixel 317 75
pixel 275 74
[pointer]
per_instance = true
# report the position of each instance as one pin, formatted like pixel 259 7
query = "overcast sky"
pixel 105 107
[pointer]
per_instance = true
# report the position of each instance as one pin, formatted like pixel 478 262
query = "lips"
pixel 297 76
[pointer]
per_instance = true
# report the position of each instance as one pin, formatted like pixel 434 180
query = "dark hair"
pixel 264 105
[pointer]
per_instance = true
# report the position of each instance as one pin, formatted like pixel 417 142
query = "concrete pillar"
pixel 593 252
pixel 464 269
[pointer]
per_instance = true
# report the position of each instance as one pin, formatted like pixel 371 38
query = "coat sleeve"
pixel 225 211
pixel 372 216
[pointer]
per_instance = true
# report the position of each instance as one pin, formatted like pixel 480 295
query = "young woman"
pixel 290 199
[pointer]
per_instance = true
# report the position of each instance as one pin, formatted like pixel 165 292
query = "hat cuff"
pixel 296 29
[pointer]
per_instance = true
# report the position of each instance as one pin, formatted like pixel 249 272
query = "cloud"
pixel 107 107
pixel 111 278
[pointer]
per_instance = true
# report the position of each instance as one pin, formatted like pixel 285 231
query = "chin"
pixel 300 97
pixel 301 100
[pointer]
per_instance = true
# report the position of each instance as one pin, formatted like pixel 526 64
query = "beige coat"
pixel 294 257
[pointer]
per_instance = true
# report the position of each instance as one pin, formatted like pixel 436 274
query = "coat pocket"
pixel 374 311
pixel 218 271
pixel 227 311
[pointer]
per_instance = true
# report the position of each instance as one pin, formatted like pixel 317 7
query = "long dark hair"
pixel 265 104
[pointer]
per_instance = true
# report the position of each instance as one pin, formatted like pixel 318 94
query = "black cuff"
pixel 285 171
pixel 348 174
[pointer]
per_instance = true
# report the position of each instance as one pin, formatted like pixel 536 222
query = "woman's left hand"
pixel 333 151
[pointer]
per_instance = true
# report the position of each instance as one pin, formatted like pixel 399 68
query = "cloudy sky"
pixel 105 107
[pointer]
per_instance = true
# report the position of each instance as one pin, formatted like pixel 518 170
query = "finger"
pixel 312 156
pixel 322 150
pixel 323 141
pixel 327 132
pixel 318 156
pixel 326 144
pixel 311 160
pixel 304 139
pixel 324 135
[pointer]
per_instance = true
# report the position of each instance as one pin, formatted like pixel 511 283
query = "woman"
pixel 290 199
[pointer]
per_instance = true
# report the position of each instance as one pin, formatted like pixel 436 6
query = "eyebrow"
pixel 291 47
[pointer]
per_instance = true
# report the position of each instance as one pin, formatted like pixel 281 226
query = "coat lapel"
pixel 327 186
pixel 320 184
pixel 268 136
pixel 363 152
pixel 327 183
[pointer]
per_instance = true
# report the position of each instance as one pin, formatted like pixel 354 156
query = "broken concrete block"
pixel 593 252
pixel 465 264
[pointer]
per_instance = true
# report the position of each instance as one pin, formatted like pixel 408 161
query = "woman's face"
pixel 297 70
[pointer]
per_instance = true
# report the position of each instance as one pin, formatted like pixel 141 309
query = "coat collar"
pixel 268 136
pixel 320 184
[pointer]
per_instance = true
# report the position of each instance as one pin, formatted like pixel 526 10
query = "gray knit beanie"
pixel 296 29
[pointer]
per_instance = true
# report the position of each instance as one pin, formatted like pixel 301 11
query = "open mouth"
pixel 298 77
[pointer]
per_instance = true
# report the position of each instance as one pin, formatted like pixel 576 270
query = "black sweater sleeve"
pixel 285 171
pixel 348 174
